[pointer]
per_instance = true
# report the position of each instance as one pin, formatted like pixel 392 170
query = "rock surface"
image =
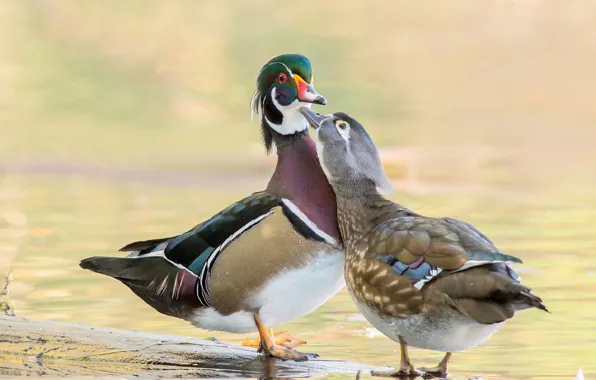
pixel 33 347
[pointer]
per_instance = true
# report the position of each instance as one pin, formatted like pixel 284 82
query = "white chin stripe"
pixel 293 121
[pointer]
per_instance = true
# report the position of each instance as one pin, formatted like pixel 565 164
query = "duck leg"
pixel 261 345
pixel 269 347
pixel 406 369
pixel 441 369
pixel 281 338
pixel 286 340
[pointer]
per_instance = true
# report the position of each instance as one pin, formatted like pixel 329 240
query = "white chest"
pixel 298 292
pixel 292 294
pixel 451 332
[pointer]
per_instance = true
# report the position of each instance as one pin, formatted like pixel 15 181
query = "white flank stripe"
pixel 296 211
pixel 235 235
pixel 210 262
pixel 476 263
pixel 206 270
pixel 467 265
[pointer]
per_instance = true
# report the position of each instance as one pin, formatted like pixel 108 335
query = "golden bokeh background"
pixel 128 120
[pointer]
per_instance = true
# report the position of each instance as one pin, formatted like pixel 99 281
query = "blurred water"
pixel 132 123
pixel 54 221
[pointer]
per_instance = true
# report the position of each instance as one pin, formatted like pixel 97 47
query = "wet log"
pixel 41 347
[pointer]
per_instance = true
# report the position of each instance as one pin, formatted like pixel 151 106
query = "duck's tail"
pixel 119 268
pixel 167 288
pixel 526 300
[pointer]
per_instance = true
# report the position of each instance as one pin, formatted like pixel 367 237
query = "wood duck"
pixel 267 259
pixel 433 283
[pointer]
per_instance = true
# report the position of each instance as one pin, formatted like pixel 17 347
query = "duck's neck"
pixel 359 215
pixel 299 178
pixel 281 128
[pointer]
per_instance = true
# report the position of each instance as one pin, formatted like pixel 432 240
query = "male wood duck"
pixel 433 283
pixel 267 259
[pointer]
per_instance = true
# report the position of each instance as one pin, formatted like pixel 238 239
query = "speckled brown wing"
pixel 374 284
pixel 403 254
pixel 446 243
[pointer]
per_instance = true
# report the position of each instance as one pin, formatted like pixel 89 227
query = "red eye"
pixel 282 78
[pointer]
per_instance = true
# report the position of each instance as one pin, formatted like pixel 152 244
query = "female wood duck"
pixel 267 259
pixel 433 283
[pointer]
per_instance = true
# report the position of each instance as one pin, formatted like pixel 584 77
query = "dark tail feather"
pixel 143 245
pixel 530 300
pixel 116 267
pixel 166 288
pixel 522 298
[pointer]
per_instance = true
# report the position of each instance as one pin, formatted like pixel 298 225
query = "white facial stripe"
pixel 253 104
pixel 275 63
pixel 287 68
pixel 257 94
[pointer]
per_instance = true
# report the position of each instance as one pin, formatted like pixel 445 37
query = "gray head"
pixel 348 155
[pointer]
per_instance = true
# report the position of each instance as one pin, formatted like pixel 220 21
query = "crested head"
pixel 348 155
pixel 284 85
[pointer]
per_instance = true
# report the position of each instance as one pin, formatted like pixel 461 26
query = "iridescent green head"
pixel 284 85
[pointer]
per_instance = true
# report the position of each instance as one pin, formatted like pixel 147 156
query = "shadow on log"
pixel 39 347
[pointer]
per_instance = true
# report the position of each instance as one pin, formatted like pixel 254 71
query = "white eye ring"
pixel 342 125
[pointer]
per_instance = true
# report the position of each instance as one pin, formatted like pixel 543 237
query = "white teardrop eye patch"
pixel 343 127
